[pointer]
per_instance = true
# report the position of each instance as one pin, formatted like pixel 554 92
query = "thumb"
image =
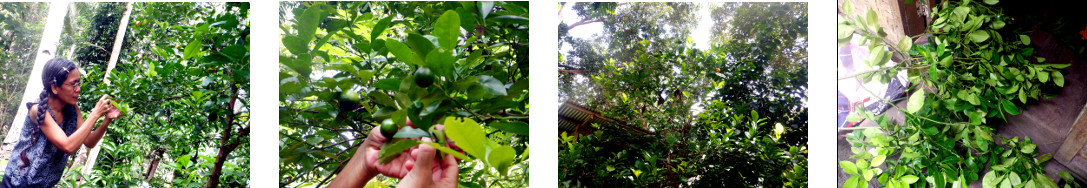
pixel 421 174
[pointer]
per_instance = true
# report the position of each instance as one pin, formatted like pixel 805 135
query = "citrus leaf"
pixel 380 27
pixel 492 85
pixel 978 36
pixel 848 167
pixel 467 134
pixel 390 151
pixel 447 29
pixel 916 101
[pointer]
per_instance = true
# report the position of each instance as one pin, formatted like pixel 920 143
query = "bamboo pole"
pixel 117 43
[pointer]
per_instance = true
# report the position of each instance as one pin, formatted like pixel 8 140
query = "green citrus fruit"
pixel 349 100
pixel 423 77
pixel 388 128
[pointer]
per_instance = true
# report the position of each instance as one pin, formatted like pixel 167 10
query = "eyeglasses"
pixel 75 84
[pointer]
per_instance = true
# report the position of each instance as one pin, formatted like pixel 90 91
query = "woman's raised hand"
pixel 114 113
pixel 102 107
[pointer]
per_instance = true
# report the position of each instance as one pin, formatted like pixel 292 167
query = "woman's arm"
pixel 96 134
pixel 56 135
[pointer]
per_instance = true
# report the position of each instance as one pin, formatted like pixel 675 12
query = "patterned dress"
pixel 47 162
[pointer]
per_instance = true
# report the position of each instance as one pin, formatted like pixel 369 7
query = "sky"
pixel 701 34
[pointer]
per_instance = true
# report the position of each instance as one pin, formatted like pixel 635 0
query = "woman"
pixel 55 129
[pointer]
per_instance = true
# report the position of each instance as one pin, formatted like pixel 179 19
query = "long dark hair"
pixel 54 73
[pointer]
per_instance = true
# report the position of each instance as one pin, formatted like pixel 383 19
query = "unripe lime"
pixel 349 100
pixel 423 77
pixel 388 128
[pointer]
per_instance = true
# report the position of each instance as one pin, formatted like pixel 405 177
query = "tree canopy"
pixel 184 70
pixel 732 114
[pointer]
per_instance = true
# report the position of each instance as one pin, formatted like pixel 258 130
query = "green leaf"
pixel 1022 96
pixel 1006 183
pixel 878 160
pixel 1058 78
pixel 334 25
pixel 441 62
pixel 447 29
pixel 391 84
pixel 467 134
pixel 852 182
pixel 778 129
pixel 307 24
pixel 1043 76
pixel 501 157
pixel 847 7
pixel 1010 107
pixel 868 174
pixel 848 167
pixel 981 133
pixel 192 50
pixel 909 179
pixel 1028 148
pixel 294 44
pixel 382 98
pixel 991 2
pixel 391 151
pixel 520 128
pixel 380 27
pixel 1025 39
pixel 403 53
pixel 448 150
pixel 872 19
pixel 978 36
pixel 1015 179
pixel 854 117
pixel 997 24
pixel 917 100
pixel 409 132
pixel 989 180
pixel 905 44
pixel 485 8
pixel 492 85
pixel 420 45
pixel 151 70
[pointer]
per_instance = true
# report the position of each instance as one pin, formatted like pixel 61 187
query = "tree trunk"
pixel 226 145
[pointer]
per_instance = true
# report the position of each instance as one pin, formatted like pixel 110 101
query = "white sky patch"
pixel 701 34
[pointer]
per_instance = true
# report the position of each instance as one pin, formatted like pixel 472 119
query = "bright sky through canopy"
pixel 700 35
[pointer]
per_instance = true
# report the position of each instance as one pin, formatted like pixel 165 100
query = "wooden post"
pixel 1074 140
pixel 117 43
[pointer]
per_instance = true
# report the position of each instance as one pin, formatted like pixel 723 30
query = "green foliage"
pixel 644 71
pixel 966 74
pixel 720 154
pixel 22 24
pixel 463 65
pixel 190 113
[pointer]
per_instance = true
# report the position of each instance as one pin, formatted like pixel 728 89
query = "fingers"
pixel 450 169
pixel 421 174
pixel 375 138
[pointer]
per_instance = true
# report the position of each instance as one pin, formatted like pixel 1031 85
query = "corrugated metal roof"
pixel 572 116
